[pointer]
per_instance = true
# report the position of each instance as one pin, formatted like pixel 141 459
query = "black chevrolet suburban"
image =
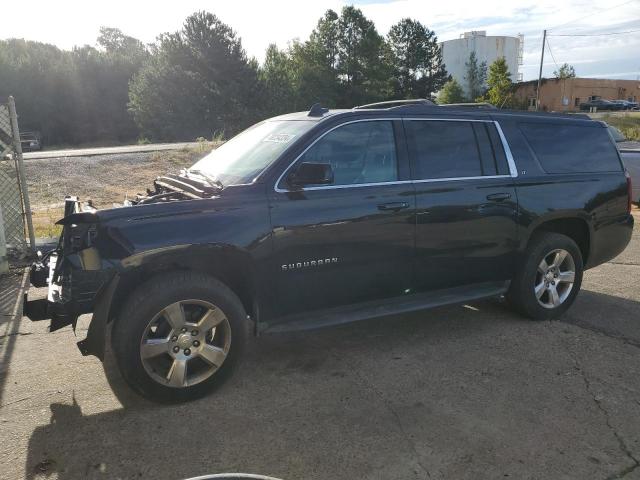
pixel 330 216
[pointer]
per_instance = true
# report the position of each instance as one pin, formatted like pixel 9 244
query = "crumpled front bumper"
pixel 75 293
pixel 53 307
pixel 78 280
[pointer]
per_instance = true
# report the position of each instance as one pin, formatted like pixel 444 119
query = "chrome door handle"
pixel 393 206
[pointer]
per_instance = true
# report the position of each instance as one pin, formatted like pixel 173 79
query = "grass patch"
pixel 44 222
pixel 627 123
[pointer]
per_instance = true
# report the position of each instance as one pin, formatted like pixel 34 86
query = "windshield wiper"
pixel 214 182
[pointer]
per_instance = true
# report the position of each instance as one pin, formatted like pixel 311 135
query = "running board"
pixel 384 307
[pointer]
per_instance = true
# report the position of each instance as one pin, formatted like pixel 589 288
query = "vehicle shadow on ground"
pixel 607 314
pixel 293 394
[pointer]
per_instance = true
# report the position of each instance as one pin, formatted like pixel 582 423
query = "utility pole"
pixel 544 41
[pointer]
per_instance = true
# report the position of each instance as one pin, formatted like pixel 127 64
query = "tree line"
pixel 73 96
pixel 199 81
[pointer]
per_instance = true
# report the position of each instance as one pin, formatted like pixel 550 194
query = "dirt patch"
pixel 105 179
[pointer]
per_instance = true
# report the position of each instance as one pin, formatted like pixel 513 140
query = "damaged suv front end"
pixel 211 218
pixel 174 276
pixel 78 279
pixel 82 271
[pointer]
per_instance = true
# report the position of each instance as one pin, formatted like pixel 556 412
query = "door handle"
pixel 499 197
pixel 393 206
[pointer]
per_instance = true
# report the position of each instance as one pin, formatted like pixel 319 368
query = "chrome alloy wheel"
pixel 554 278
pixel 185 343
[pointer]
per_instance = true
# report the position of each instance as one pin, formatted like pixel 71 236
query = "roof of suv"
pixel 419 108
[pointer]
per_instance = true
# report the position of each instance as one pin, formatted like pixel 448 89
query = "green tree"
pixel 475 77
pixel 197 82
pixel 277 82
pixel 451 92
pixel 115 43
pixel 325 39
pixel 361 66
pixel 76 96
pixel 342 64
pixel 416 59
pixel 314 64
pixel 38 76
pixel 565 71
pixel 500 91
pixel 105 73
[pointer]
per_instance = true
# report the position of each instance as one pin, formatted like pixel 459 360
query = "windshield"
pixel 242 158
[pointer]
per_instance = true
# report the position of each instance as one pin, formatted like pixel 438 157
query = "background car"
pixel 30 141
pixel 626 104
pixel 600 104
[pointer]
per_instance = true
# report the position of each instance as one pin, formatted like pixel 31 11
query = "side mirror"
pixel 311 174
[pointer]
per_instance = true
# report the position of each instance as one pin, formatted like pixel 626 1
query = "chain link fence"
pixel 11 202
pixel 13 195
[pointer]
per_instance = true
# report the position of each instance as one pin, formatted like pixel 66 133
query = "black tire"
pixel 521 294
pixel 146 303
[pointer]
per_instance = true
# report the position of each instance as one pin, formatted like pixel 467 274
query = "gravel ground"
pixel 462 392
pixel 105 179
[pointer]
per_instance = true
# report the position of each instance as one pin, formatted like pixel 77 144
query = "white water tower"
pixel 455 53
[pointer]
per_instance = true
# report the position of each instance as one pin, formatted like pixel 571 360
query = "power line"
pixel 591 34
pixel 593 13
pixel 552 57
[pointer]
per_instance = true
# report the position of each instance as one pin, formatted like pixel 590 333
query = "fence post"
pixel 21 178
pixel 4 262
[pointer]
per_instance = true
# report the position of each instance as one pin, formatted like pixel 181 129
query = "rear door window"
pixel 454 149
pixel 567 148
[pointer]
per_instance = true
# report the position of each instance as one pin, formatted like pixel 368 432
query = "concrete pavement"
pixel 464 392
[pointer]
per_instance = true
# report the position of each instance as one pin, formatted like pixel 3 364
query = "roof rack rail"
pixel 317 110
pixel 471 105
pixel 394 104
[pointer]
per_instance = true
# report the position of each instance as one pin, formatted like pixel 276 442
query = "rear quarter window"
pixel 570 148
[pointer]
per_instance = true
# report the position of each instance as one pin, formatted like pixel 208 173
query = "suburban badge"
pixel 308 263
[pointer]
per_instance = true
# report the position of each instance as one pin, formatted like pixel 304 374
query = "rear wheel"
pixel 179 336
pixel 549 278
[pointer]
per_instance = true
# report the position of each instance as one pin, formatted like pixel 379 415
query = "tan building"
pixel 565 95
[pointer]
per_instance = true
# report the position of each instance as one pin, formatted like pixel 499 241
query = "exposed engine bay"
pixel 190 184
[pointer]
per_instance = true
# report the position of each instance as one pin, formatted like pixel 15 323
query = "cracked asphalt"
pixel 463 392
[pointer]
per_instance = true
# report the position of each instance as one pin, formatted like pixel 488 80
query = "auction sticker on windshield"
pixel 279 138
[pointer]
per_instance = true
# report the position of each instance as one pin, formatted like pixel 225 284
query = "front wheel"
pixel 179 336
pixel 549 278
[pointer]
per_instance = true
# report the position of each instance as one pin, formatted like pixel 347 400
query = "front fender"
pixel 94 343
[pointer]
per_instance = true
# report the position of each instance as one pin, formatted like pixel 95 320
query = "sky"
pixel 258 23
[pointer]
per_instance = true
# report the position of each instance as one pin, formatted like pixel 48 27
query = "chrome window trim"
pixel 513 171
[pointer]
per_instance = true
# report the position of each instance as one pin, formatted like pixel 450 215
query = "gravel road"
pixel 123 149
